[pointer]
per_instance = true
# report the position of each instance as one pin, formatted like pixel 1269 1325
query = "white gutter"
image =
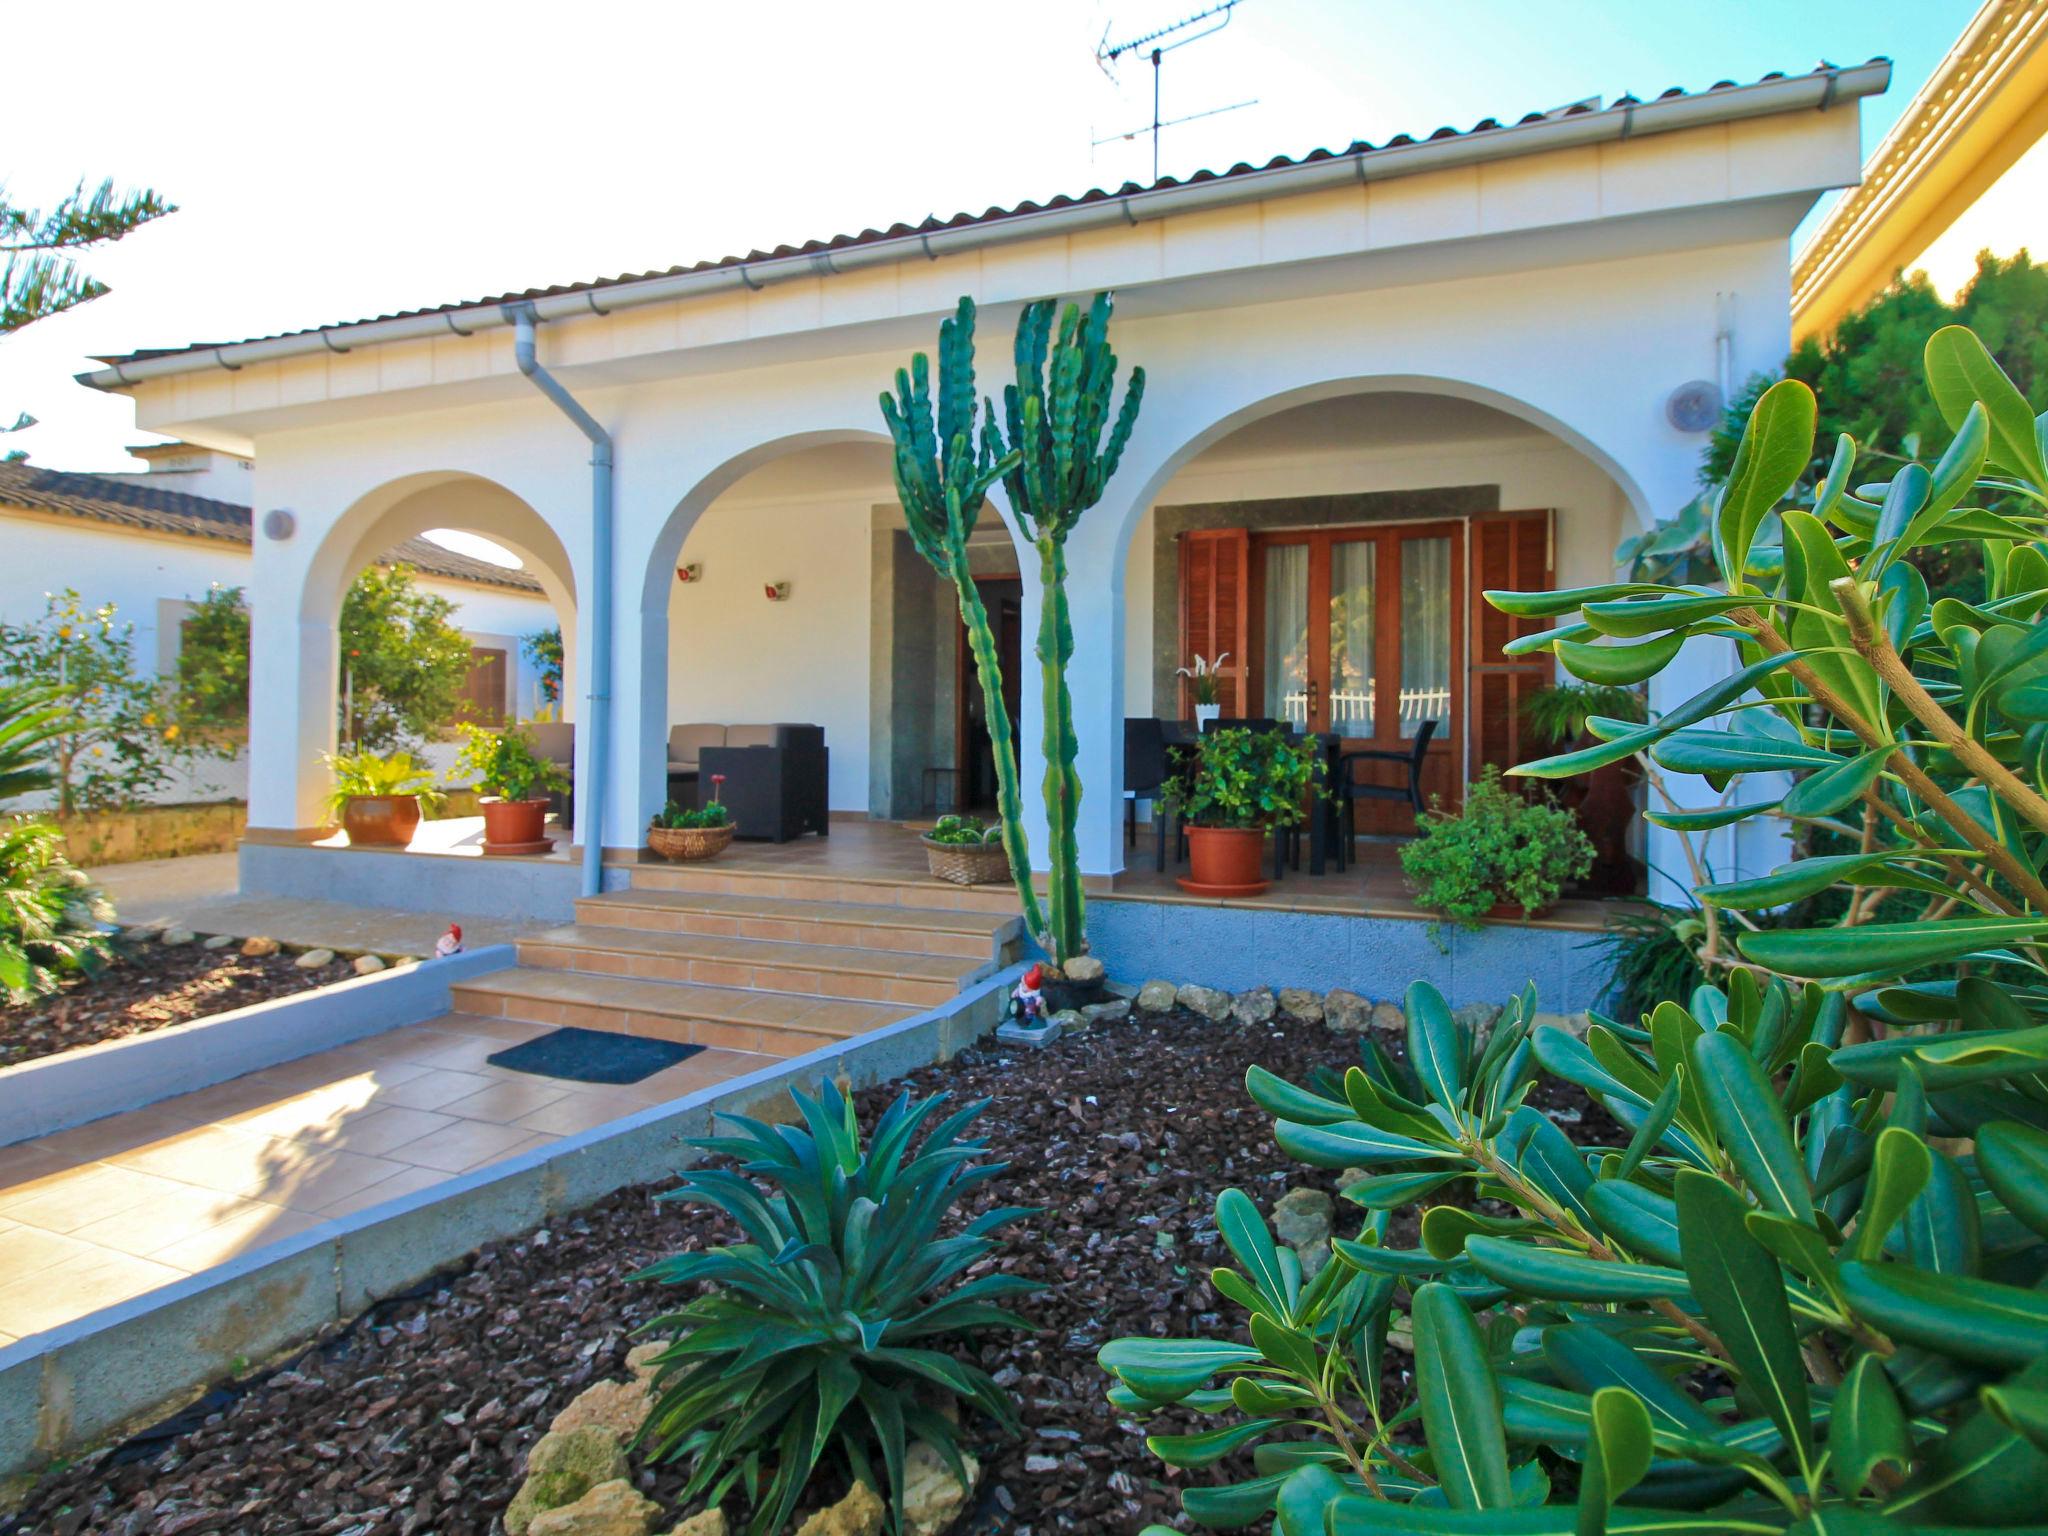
pixel 1814 92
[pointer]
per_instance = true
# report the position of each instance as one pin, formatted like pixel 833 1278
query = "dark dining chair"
pixel 1348 791
pixel 1144 771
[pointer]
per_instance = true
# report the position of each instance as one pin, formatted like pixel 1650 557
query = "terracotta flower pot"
pixel 515 826
pixel 380 821
pixel 1225 861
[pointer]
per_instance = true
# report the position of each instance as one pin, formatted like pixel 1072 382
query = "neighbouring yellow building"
pixel 1964 170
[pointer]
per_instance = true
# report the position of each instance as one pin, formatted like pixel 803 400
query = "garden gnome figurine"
pixel 450 943
pixel 1030 997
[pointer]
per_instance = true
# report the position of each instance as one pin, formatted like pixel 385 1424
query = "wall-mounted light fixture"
pixel 778 591
pixel 688 573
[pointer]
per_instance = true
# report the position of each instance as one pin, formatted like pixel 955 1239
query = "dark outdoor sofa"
pixel 776 776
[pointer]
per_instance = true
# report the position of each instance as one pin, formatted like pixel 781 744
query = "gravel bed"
pixel 415 1419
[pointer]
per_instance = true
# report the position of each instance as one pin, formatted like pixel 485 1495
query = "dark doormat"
pixel 593 1056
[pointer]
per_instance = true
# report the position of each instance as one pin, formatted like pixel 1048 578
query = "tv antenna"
pixel 1158 44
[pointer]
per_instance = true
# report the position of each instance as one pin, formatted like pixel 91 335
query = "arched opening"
pixel 783 592
pixel 450 552
pixel 1334 542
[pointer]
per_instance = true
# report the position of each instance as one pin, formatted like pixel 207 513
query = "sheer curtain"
pixel 1425 633
pixel 1354 565
pixel 1287 632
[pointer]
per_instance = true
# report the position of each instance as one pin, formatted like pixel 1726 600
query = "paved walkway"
pixel 97 1214
pixel 200 893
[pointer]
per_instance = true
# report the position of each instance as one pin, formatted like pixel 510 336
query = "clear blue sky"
pixel 337 164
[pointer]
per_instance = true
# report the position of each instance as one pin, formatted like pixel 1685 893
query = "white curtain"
pixel 1354 565
pixel 1287 632
pixel 1425 634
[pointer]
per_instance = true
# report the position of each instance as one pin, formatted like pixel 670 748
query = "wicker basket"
pixel 687 843
pixel 968 863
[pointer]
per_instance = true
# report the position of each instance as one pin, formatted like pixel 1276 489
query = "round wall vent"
pixel 278 524
pixel 1694 407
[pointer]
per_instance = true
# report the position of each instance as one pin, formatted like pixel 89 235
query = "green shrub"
pixel 693 818
pixel 503 763
pixel 821 1329
pixel 963 832
pixel 1498 847
pixel 380 773
pixel 51 915
pixel 1242 778
pixel 1806 1293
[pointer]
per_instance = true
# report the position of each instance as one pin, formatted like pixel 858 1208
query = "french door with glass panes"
pixel 1360 631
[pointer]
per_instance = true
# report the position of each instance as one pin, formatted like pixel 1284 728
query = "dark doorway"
pixel 1003 596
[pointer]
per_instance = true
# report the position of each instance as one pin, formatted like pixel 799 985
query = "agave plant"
pixel 821 1331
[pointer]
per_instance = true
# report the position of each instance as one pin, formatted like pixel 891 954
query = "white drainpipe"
pixel 597 666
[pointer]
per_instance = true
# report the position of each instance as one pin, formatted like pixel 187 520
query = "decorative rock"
pixel 314 959
pixel 1207 1001
pixel 1068 1018
pixel 1083 970
pixel 560 1469
pixel 217 941
pixel 1313 1257
pixel 860 1513
pixel 176 936
pixel 641 1357
pixel 142 933
pixel 1480 1019
pixel 615 1508
pixel 1346 1012
pixel 710 1523
pixel 1303 1216
pixel 1111 1012
pixel 368 965
pixel 1156 997
pixel 616 1407
pixel 1255 1007
pixel 257 948
pixel 1388 1018
pixel 1303 1005
pixel 932 1495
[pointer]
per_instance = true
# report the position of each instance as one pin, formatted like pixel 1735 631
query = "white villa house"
pixel 1395 374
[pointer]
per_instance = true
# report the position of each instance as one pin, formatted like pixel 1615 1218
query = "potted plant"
pixel 1232 788
pixel 1605 799
pixel 686 835
pixel 515 782
pixel 1498 853
pixel 1205 687
pixel 378 797
pixel 962 850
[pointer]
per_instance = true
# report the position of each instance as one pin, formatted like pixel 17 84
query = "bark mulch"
pixel 416 1418
pixel 149 986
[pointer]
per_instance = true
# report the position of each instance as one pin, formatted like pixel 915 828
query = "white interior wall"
pixel 737 658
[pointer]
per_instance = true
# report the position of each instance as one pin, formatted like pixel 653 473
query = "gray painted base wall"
pixel 539 890
pixel 1236 948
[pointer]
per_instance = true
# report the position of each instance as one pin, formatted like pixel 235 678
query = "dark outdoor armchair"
pixel 1348 790
pixel 776 779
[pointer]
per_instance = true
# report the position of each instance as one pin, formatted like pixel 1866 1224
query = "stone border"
pixel 53 1093
pixel 83 1382
pixel 531 888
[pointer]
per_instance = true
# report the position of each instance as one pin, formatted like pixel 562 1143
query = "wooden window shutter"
pixel 1510 550
pixel 1215 599
pixel 483 690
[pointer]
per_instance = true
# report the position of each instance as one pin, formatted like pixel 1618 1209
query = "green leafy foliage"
pixel 41 276
pixel 1558 713
pixel 823 1330
pixel 544 649
pixel 712 813
pixel 1649 956
pixel 404 663
pixel 380 773
pixel 1241 778
pixel 1765 1310
pixel 963 832
pixel 119 741
pixel 1499 846
pixel 213 667
pixel 503 763
pixel 51 917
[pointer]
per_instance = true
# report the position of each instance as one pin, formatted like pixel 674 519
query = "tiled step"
pixel 730 1018
pixel 820 970
pixel 902 929
pixel 866 890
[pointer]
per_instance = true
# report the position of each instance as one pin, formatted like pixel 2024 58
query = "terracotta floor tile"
pixel 216 1158
pixel 314 1112
pixel 461 1146
pixel 173 1213
pixel 403 1182
pixel 249 1228
pixel 26 1161
pixel 95 1279
pixel 378 1129
pixel 318 1180
pixel 83 1196
pixel 521 1146
pixel 432 1089
pixel 504 1031
pixel 575 1112
pixel 30 1251
pixel 504 1103
pixel 105 1140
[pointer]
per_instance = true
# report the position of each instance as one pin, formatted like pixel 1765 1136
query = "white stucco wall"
pixel 736 658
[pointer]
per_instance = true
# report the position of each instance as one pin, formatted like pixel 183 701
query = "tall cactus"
pixel 942 480
pixel 1057 467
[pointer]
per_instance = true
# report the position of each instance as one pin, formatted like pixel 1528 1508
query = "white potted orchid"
pixel 1204 687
